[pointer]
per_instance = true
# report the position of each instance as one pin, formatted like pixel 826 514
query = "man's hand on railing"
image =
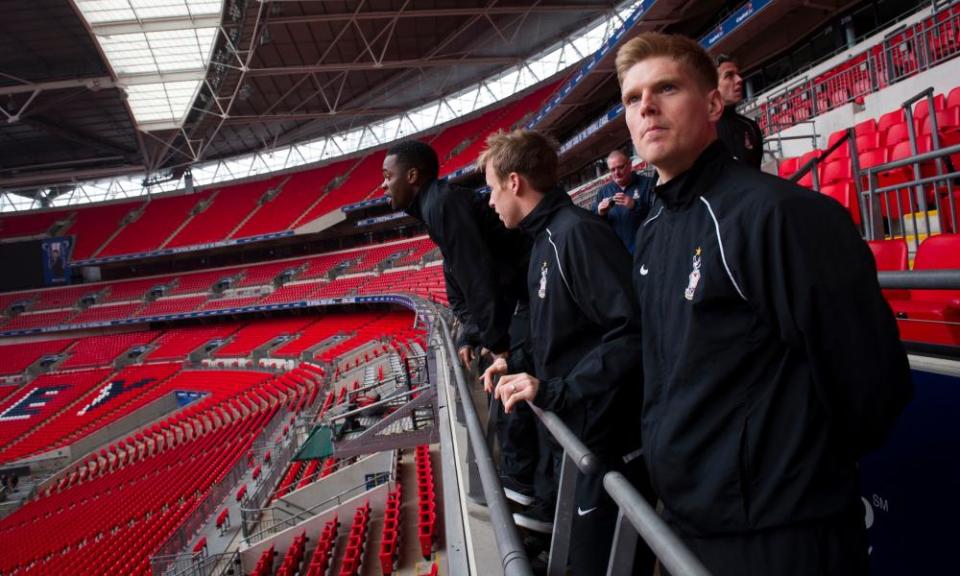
pixel 514 388
pixel 498 368
pixel 467 356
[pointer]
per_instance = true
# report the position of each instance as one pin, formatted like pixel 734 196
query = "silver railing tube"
pixel 512 555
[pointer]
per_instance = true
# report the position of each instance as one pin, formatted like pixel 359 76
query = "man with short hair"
pixel 771 361
pixel 584 330
pixel 485 266
pixel 741 135
pixel 624 201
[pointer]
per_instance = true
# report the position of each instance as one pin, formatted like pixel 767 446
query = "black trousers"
pixel 595 521
pixel 835 546
pixel 517 436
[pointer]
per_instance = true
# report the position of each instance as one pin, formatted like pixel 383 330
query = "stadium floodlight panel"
pixel 145 56
pixel 491 90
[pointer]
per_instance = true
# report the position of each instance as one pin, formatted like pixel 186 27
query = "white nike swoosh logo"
pixel 643 270
pixel 582 512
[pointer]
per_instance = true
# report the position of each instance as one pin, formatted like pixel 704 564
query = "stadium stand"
pixel 257 334
pixel 17 357
pixel 177 343
pixel 159 219
pixel 43 398
pixel 122 394
pixel 174 305
pixel 300 192
pixel 101 350
pixel 107 312
pixel 35 224
pixel 95 225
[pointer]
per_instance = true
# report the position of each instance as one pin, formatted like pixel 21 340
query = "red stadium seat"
pixel 922 109
pixel 787 167
pixel 807 179
pixel 846 195
pixel 932 316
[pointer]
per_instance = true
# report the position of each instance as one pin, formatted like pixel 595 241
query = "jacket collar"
pixel 536 221
pixel 679 192
pixel 420 200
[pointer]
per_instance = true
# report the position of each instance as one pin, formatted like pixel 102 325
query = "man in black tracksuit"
pixel 486 264
pixel 771 361
pixel 741 135
pixel 584 330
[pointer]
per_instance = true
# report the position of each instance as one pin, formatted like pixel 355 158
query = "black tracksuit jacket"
pixel 584 326
pixel 742 136
pixel 487 261
pixel 771 361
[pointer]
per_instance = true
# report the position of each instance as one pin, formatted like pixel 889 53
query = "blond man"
pixel 771 361
pixel 584 332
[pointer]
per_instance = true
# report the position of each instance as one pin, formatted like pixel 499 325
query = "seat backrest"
pixel 873 158
pixel 787 167
pixel 846 194
pixel 844 150
pixel 898 116
pixel 947 120
pixel 953 99
pixel 807 179
pixel 940 252
pixel 921 110
pixel 868 126
pixel 899 133
pixel 835 137
pixel 838 170
pixel 902 150
pixel 890 255
pixel 869 142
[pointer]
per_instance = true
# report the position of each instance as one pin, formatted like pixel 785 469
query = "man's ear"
pixel 514 180
pixel 714 105
pixel 413 175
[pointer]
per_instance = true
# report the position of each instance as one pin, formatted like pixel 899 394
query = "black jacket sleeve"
pixel 598 272
pixel 474 270
pixel 817 278
pixel 468 330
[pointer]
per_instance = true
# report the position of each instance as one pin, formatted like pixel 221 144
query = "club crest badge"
pixel 747 142
pixel 542 292
pixel 694 275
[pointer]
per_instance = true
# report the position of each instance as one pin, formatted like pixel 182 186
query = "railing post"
pixel 667 546
pixel 624 547
pixel 563 518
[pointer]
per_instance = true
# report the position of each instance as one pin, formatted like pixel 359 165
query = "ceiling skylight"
pixel 159 50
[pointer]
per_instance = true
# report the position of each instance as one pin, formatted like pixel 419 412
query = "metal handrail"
pixel 921 157
pixel 512 555
pixel 920 280
pixel 673 553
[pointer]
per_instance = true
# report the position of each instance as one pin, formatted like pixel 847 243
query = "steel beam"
pixel 299 116
pixel 440 13
pixel 390 65
pixel 93 84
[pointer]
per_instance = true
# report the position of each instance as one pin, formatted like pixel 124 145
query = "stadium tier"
pixel 930 41
pixel 276 204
